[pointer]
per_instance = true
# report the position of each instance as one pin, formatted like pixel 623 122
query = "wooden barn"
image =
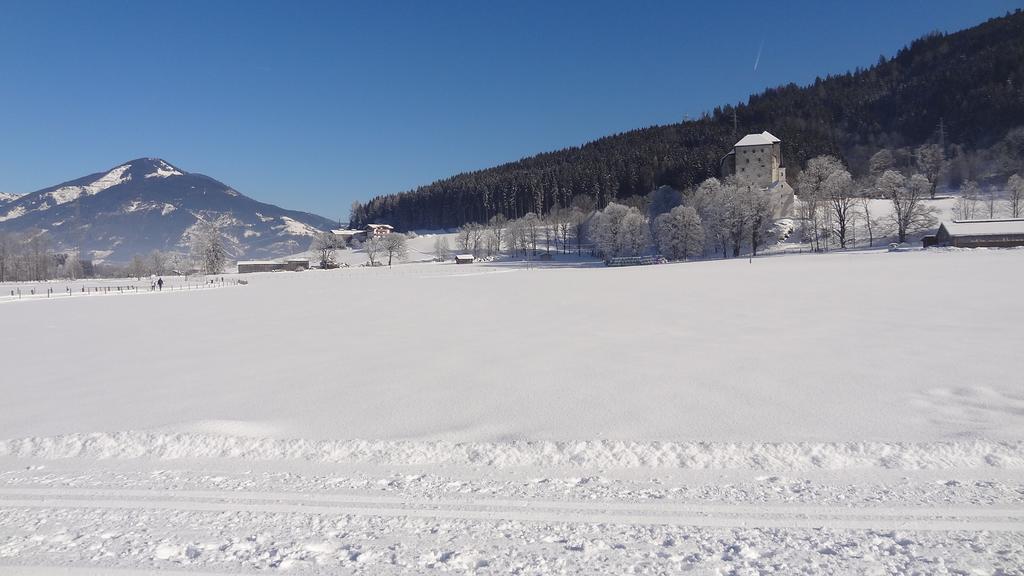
pixel 249 266
pixel 996 233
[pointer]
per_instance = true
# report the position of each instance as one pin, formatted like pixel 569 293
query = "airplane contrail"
pixel 758 59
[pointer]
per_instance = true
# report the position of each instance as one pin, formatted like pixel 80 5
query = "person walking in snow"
pixel 160 283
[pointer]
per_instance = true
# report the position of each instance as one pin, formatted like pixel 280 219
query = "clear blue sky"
pixel 311 105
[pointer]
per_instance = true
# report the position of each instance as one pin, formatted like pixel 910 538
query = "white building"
pixel 758 161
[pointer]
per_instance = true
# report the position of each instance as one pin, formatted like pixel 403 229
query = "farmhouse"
pixel 996 233
pixel 379 229
pixel 347 235
pixel 464 259
pixel 757 159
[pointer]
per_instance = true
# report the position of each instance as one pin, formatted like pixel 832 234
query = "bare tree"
pixel 531 230
pixel 396 246
pixel 579 220
pixel 5 255
pixel 967 204
pixel 182 264
pixel 990 202
pixel 869 222
pixel 931 162
pixel 839 192
pixel 909 211
pixel 1015 196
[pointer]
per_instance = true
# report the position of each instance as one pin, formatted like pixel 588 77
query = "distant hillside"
pixel 972 80
pixel 149 204
pixel 6 198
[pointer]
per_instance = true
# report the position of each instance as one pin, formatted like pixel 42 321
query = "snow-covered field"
pixel 858 412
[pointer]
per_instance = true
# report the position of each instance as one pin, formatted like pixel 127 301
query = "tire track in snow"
pixel 927 518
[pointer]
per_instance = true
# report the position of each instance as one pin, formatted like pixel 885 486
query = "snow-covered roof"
pixel 994 227
pixel 251 262
pixel 464 256
pixel 374 226
pixel 763 139
pixel 346 232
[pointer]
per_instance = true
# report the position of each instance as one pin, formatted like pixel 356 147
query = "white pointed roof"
pixel 763 139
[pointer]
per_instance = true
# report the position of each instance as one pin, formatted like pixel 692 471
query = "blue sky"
pixel 312 105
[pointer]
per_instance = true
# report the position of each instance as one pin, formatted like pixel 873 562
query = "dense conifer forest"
pixel 964 90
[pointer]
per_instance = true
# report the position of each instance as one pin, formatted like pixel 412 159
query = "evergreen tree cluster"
pixel 966 87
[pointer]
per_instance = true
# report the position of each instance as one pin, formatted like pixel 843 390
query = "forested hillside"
pixel 970 82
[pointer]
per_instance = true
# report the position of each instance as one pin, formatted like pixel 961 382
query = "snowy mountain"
pixel 149 204
pixel 7 198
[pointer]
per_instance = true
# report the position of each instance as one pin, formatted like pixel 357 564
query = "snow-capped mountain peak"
pixel 150 204
pixel 163 169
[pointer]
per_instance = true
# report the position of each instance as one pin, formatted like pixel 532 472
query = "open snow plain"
pixel 844 413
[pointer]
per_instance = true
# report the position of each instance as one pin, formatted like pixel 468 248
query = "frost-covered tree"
pixel 374 247
pixel 137 268
pixel 679 233
pixel 662 200
pixel 158 262
pixel 442 252
pixel 208 248
pixel 634 234
pixel 1015 196
pixel 604 229
pixel 760 209
pixel 396 246
pixel 326 246
pixel 707 200
pixel 880 162
pixel 495 233
pixel 812 194
pixel 735 214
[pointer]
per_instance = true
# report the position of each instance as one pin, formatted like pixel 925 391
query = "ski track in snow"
pixel 424 523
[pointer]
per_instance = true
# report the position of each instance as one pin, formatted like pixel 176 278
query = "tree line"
pixel 729 217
